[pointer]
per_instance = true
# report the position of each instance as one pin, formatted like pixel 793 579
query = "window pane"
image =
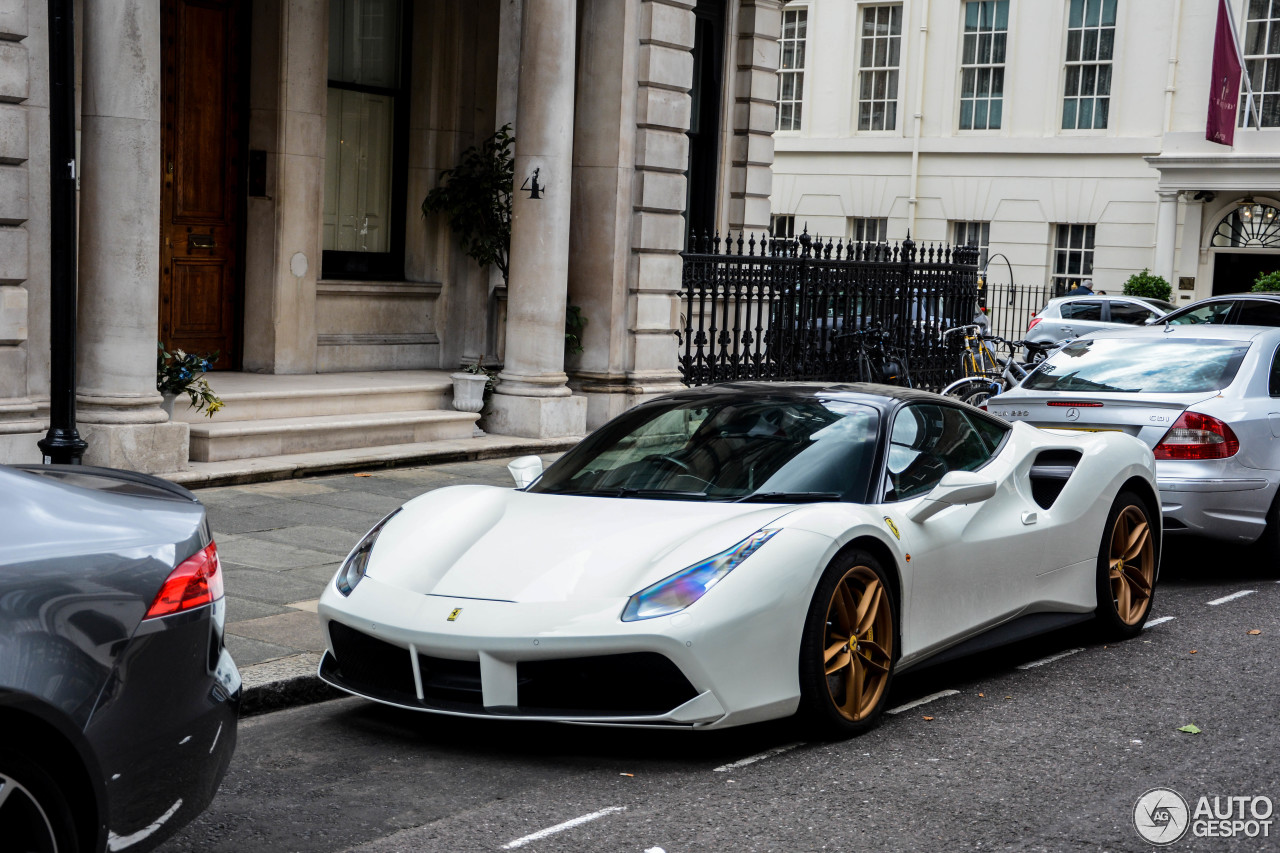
pixel 1073 80
pixel 891 115
pixel 966 115
pixel 1088 79
pixel 1073 46
pixel 1002 14
pixel 967 53
pixel 968 80
pixel 997 81
pixel 1108 13
pixel 997 54
pixel 1092 9
pixel 1104 80
pixel 894 47
pixel 980 114
pixel 1085 119
pixel 358 173
pixel 1089 46
pixel 1076 18
pixel 1100 112
pixel 1106 44
pixel 994 114
pixel 1255 35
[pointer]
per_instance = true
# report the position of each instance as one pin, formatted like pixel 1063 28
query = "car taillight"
pixel 1197 436
pixel 197 581
pixel 1032 324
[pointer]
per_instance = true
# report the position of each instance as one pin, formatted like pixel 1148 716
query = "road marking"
pixel 1049 659
pixel 923 700
pixel 1154 622
pixel 561 827
pixel 1232 597
pixel 761 757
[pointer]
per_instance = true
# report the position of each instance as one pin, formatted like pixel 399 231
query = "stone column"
pixel 532 398
pixel 119 407
pixel 754 114
pixel 288 93
pixel 1166 235
pixel 19 426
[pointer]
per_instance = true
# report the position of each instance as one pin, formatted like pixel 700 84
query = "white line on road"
pixel 1232 597
pixel 754 758
pixel 561 827
pixel 941 694
pixel 1049 659
pixel 1154 622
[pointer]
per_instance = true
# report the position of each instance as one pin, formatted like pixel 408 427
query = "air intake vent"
pixel 1049 474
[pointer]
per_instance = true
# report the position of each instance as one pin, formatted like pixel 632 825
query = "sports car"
pixel 741 552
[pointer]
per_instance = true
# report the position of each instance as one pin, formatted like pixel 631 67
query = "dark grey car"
pixel 118 701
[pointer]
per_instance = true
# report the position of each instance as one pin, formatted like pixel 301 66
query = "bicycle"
pixel 876 359
pixel 988 373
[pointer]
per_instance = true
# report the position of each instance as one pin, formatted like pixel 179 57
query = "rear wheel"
pixel 849 647
pixel 1269 541
pixel 34 815
pixel 1126 568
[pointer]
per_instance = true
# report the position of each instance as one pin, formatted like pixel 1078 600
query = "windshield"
pixel 1154 365
pixel 728 447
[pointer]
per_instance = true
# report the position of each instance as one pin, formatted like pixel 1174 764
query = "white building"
pixel 1065 135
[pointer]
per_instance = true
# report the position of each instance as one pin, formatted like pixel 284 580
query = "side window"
pixel 927 441
pixel 992 433
pixel 1133 313
pixel 1259 314
pixel 1212 313
pixel 1082 310
pixel 1274 385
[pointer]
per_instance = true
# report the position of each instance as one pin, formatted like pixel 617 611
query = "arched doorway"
pixel 1246 244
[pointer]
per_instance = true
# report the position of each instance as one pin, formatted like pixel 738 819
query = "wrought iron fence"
pixel 794 309
pixel 1010 307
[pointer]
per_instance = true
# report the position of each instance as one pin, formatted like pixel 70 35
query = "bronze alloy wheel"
pixel 1132 565
pixel 858 643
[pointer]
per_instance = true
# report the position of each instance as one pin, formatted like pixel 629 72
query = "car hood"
pixel 508 545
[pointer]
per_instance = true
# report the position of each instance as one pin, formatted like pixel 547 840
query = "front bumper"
pixel 1218 500
pixel 730 658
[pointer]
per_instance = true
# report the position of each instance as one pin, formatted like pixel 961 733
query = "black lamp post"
pixel 985 266
pixel 62 444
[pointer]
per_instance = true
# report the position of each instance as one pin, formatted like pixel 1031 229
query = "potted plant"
pixel 1267 282
pixel 1147 284
pixel 181 372
pixel 472 386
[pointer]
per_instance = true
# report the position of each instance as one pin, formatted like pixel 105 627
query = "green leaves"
pixel 1190 728
pixel 1149 285
pixel 475 195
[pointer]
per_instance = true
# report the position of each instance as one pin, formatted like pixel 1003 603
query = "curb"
pixel 284 683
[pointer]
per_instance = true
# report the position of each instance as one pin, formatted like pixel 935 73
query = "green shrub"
pixel 1267 282
pixel 1148 285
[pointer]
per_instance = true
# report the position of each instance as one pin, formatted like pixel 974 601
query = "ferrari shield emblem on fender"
pixel 453 617
pixel 893 528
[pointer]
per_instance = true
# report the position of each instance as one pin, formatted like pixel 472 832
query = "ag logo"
pixel 1161 816
pixel 453 617
pixel 892 527
pixel 1073 414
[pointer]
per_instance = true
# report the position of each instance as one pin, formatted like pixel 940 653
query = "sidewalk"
pixel 281 543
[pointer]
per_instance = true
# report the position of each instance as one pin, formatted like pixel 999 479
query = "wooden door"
pixel 201 199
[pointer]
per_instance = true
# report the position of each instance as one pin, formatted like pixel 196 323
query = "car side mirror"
pixel 956 488
pixel 525 470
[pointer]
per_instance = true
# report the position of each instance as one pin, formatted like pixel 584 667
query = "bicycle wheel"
pixel 961 389
pixel 981 395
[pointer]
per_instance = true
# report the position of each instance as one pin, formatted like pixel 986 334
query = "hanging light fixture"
pixel 1247 206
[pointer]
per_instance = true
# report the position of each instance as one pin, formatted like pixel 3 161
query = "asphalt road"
pixel 1026 755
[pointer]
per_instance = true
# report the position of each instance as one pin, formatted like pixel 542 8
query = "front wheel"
pixel 972 386
pixel 849 647
pixel 1126 568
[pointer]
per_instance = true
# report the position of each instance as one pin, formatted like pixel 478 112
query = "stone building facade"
pixel 1065 135
pixel 252 171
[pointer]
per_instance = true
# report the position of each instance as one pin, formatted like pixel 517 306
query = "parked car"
pixel 118 701
pixel 1206 399
pixel 1237 309
pixel 1073 316
pixel 741 552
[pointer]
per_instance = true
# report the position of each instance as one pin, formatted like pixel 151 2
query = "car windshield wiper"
pixel 629 492
pixel 788 497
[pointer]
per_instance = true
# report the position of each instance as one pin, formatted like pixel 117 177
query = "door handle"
pixel 1029 518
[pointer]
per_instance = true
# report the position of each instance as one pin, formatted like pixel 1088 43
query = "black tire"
pixel 35 815
pixel 821 713
pixel 977 398
pixel 1125 595
pixel 1269 542
pixel 962 389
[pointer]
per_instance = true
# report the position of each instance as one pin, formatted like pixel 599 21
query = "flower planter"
pixel 468 393
pixel 167 404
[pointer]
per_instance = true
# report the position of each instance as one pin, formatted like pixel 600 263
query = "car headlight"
pixel 352 570
pixel 675 593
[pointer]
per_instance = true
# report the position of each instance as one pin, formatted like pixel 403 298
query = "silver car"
pixel 1206 399
pixel 1073 316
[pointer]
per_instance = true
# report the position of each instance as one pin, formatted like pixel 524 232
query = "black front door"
pixel 1235 272
pixel 704 120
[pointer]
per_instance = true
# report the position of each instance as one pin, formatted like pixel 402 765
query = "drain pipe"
pixel 913 201
pixel 1171 80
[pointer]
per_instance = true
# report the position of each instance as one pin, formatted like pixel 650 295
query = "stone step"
pixel 257 397
pixel 216 440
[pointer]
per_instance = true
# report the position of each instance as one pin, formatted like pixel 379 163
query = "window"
pixel 1133 313
pixel 1072 256
pixel 1091 34
pixel 878 75
pixel 795 27
pixel 1273 384
pixel 1261 50
pixel 1081 310
pixel 1213 313
pixel 973 234
pixel 363 221
pixel 868 230
pixel 782 225
pixel 1258 313
pixel 986 24
pixel 929 440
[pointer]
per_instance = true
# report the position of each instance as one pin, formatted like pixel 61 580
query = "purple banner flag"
pixel 1224 87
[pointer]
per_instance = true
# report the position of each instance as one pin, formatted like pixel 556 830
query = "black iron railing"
pixel 1010 307
pixel 793 309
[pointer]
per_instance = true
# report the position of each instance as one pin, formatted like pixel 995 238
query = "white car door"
pixel 972 565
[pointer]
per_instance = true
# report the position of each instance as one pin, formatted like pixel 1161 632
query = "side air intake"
pixel 1049 474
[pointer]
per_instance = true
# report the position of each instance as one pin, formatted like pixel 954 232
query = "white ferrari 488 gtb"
pixel 741 552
